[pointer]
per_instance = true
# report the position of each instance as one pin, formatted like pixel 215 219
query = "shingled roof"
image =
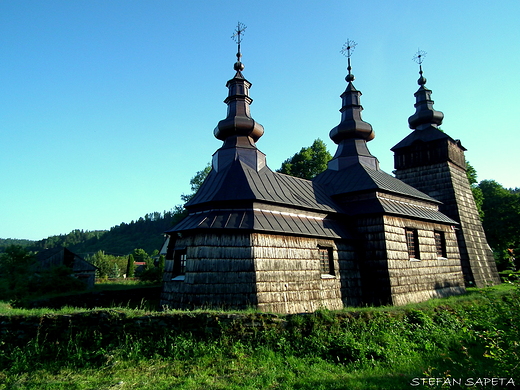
pixel 361 178
pixel 427 135
pixel 263 220
pixel 240 182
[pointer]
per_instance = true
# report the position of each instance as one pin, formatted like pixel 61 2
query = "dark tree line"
pixel 146 232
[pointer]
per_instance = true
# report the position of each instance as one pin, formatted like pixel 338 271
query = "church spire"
pixel 425 115
pixel 351 125
pixel 238 121
pixel 239 130
pixel 352 133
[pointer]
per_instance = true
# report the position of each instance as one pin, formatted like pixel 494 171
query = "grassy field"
pixel 457 342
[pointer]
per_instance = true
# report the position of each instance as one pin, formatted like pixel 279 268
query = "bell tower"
pixel 433 162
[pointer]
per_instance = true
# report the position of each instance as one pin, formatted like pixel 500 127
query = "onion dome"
pixel 238 121
pixel 425 115
pixel 351 125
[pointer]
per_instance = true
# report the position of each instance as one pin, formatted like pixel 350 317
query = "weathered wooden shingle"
pixel 260 220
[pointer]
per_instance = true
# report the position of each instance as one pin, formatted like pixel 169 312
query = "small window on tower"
pixel 412 242
pixel 440 244
pixel 326 261
pixel 179 264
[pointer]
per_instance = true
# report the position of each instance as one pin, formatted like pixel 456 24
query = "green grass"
pixel 122 284
pixel 470 336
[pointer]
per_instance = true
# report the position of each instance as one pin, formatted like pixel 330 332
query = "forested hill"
pixel 146 233
pixel 14 241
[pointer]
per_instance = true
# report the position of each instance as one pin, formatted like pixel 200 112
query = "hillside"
pixel 146 233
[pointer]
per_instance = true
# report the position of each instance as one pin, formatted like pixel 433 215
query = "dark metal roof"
pixel 256 219
pixel 379 205
pixel 412 210
pixel 359 177
pixel 240 182
pixel 427 135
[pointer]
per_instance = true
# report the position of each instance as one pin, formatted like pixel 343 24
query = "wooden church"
pixel 352 236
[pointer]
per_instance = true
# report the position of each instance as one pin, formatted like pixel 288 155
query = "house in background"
pixel 352 236
pixel 81 269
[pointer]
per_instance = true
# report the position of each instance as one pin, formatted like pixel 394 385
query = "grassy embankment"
pixel 471 336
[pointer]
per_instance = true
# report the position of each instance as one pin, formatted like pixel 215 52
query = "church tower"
pixel 406 249
pixel 433 162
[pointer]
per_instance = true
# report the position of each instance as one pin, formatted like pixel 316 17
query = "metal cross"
pixel 419 56
pixel 237 37
pixel 348 48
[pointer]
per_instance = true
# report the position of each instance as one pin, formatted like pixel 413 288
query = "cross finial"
pixel 348 48
pixel 419 58
pixel 237 37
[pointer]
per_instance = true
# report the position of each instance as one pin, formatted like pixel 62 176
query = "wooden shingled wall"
pixel 274 273
pixel 430 276
pixel 281 273
pixel 219 273
pixel 288 274
pixel 448 183
pixel 390 277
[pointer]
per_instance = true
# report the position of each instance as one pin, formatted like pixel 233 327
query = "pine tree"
pixel 130 268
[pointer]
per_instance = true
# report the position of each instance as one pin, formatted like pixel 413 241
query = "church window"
pixel 326 261
pixel 440 244
pixel 412 242
pixel 179 263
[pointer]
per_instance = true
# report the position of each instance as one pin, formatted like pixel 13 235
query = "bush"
pixel 55 281
pixel 19 281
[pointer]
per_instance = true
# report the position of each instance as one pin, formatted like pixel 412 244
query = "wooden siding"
pixel 274 273
pixel 219 273
pixel 372 255
pixel 429 277
pixel 281 273
pixel 288 274
pixel 448 183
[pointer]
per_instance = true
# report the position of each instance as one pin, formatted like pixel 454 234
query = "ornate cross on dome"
pixel 348 48
pixel 237 37
pixel 419 58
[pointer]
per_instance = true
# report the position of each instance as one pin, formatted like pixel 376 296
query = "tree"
pixel 130 268
pixel 501 219
pixel 20 278
pixel 114 272
pixel 195 183
pixel 141 256
pixel 101 261
pixel 160 264
pixel 308 162
pixel 16 265
pixel 154 274
pixel 471 172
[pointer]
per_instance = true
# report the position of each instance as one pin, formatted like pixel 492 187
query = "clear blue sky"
pixel 107 108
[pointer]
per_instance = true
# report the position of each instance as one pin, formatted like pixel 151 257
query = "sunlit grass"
pixel 473 335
